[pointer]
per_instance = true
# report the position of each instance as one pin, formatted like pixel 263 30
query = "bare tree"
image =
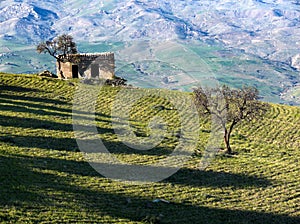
pixel 230 107
pixel 59 48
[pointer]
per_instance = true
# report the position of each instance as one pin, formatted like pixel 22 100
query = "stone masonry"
pixel 98 65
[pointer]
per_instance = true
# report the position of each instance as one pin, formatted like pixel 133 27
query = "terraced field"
pixel 46 179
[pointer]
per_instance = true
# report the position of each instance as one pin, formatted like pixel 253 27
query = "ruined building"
pixel 98 65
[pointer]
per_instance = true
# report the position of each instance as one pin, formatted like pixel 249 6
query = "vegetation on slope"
pixel 45 178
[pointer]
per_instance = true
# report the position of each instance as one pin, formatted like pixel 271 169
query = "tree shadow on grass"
pixel 66 143
pixel 40 109
pixel 34 99
pixel 33 123
pixel 41 142
pixel 185 176
pixel 20 89
pixel 216 179
pixel 31 185
pixel 37 109
pixel 33 105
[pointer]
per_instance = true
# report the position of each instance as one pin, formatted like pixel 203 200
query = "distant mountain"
pixel 270 29
pixel 266 29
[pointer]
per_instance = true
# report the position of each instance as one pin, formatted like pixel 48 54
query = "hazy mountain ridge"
pixel 267 25
pixel 269 30
pixel 26 22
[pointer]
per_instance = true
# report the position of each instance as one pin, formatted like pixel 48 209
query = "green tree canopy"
pixel 59 48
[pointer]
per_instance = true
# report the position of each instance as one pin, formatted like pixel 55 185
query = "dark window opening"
pixel 95 70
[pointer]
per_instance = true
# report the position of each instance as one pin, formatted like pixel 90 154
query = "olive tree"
pixel 230 107
pixel 58 48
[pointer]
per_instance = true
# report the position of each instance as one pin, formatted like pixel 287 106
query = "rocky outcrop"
pixel 47 73
pixel 295 62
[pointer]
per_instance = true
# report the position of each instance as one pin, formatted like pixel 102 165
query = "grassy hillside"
pixel 44 178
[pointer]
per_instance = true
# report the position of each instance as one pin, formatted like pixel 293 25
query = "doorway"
pixel 75 71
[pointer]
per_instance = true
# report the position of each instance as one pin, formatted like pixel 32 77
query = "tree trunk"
pixel 59 69
pixel 227 137
pixel 227 142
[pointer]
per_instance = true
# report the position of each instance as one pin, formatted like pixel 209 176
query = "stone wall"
pixel 99 65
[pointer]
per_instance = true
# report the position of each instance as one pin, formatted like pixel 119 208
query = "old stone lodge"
pixel 97 65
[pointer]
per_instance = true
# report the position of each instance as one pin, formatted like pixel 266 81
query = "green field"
pixel 46 179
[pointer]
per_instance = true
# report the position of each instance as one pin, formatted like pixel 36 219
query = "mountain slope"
pixel 269 29
pixel 266 32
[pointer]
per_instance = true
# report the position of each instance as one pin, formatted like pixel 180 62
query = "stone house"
pixel 97 65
